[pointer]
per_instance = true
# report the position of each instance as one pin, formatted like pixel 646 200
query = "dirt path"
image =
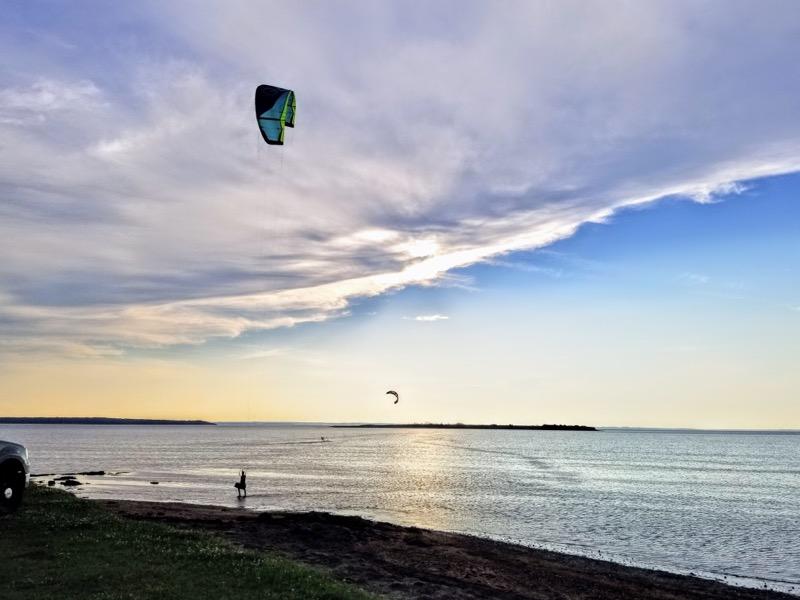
pixel 404 563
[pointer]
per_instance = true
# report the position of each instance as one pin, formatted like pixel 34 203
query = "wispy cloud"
pixel 428 318
pixel 712 193
pixel 138 206
pixel 528 267
pixel 694 278
pixel 33 103
pixel 260 353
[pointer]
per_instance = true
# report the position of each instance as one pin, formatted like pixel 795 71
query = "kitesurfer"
pixel 241 486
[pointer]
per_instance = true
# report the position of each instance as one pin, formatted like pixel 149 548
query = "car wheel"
pixel 12 486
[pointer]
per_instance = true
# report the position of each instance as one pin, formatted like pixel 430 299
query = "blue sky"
pixel 695 300
pixel 566 199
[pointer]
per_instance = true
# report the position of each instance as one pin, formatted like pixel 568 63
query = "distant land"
pixel 467 426
pixel 93 421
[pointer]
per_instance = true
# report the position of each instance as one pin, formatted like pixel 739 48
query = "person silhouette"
pixel 241 486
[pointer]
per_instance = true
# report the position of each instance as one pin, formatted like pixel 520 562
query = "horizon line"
pixel 313 423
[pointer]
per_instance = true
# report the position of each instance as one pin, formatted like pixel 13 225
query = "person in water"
pixel 242 485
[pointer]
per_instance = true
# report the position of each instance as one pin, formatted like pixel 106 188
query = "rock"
pixel 70 482
pixel 51 483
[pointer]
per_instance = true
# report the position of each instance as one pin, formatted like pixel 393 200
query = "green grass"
pixel 59 546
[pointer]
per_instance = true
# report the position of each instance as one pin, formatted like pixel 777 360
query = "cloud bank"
pixel 139 207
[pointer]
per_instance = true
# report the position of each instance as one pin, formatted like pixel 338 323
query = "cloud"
pixel 34 103
pixel 527 267
pixel 711 194
pixel 428 318
pixel 139 207
pixel 694 278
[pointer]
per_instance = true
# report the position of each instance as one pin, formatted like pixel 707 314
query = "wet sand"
pixel 404 562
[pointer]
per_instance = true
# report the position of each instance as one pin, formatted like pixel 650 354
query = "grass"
pixel 59 546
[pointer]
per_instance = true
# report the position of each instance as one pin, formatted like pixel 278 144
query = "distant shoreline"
pixel 94 421
pixel 467 426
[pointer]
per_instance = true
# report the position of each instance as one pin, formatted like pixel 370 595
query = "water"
pixel 723 505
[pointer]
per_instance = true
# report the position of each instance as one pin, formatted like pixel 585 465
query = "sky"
pixel 571 212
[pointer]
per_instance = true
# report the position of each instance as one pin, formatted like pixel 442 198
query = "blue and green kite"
pixel 275 108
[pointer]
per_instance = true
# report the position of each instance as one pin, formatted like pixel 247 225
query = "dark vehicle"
pixel 14 475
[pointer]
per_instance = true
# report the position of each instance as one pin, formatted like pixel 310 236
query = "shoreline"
pixel 97 421
pixel 492 427
pixel 408 562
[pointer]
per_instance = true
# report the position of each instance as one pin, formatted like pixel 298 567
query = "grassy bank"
pixel 58 546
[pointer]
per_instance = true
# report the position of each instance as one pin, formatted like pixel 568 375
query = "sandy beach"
pixel 404 563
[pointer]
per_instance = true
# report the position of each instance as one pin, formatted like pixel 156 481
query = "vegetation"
pixel 94 421
pixel 468 426
pixel 59 546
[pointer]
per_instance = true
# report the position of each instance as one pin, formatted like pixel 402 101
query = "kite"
pixel 395 394
pixel 275 110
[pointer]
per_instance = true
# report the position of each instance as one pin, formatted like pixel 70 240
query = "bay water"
pixel 724 505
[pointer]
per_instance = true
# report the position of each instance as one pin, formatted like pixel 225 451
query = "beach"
pixel 409 562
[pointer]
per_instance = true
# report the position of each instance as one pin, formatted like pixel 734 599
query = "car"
pixel 14 475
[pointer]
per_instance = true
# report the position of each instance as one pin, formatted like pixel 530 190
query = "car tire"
pixel 12 487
